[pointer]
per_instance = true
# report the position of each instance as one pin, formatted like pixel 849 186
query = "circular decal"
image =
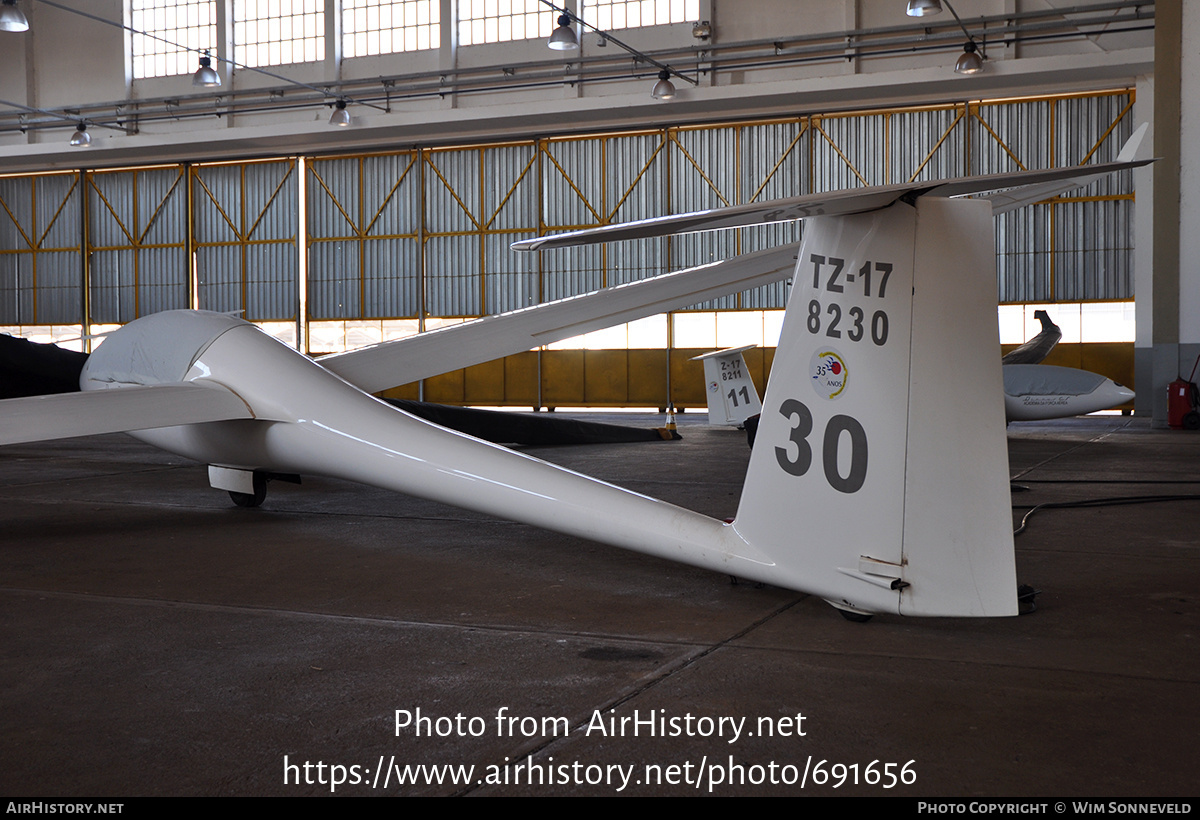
pixel 828 371
pixel 713 387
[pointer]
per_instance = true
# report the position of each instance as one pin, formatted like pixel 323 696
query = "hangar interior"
pixel 300 629
pixel 473 134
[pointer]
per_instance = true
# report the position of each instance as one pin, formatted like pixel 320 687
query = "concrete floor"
pixel 158 641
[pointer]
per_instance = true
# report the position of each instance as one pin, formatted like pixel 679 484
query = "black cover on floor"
pixel 503 427
pixel 31 369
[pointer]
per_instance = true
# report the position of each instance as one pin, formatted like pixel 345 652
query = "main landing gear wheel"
pixel 252 499
pixel 855 617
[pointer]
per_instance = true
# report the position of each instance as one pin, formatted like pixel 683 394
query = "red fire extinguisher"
pixel 1183 402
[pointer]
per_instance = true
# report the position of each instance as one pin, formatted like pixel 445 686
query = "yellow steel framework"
pixel 245 227
pixel 33 234
pixel 362 217
pixel 133 225
pixel 477 213
pixel 472 200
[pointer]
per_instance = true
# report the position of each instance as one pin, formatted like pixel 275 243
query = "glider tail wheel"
pixel 252 499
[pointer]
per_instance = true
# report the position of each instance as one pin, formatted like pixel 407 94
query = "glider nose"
pixel 1114 393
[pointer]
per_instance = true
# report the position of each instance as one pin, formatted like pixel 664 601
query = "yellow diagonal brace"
pixel 657 149
pixel 17 224
pixel 574 187
pixel 699 170
pixel 996 137
pixel 936 146
pixel 116 219
pixel 291 166
pixel 511 191
pixel 213 199
pixel 154 216
pixel 461 204
pixel 357 233
pixel 57 213
pixel 412 161
pixel 1108 131
pixel 845 159
pixel 782 157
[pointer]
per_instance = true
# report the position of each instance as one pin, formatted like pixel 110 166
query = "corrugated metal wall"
pixel 363 236
pixel 245 223
pixel 40 259
pixel 137 243
pixel 424 233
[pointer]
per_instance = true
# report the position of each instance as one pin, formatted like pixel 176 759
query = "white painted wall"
pixel 67 60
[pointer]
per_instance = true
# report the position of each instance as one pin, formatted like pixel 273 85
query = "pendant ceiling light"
pixel 924 8
pixel 81 138
pixel 206 75
pixel 664 89
pixel 563 38
pixel 969 62
pixel 340 115
pixel 11 18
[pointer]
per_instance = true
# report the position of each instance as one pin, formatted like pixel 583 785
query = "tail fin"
pixel 732 396
pixel 891 321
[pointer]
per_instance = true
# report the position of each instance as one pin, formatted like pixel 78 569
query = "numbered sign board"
pixel 731 394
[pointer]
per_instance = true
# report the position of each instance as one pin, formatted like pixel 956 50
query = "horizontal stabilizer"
pixel 835 203
pixel 1005 201
pixel 65 415
pixel 440 351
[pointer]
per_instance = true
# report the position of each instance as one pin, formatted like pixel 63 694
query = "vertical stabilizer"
pixel 731 394
pixel 890 331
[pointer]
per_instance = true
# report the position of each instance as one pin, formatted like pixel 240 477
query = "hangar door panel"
pixel 40 280
pixel 364 226
pixel 573 185
pixel 702 177
pixel 477 201
pixel 137 242
pixel 245 222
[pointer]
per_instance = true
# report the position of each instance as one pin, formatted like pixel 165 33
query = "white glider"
pixel 870 484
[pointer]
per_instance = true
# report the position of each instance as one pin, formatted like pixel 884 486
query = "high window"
pixel 388 26
pixel 275 32
pixel 278 32
pixel 497 21
pixel 613 14
pixel 184 23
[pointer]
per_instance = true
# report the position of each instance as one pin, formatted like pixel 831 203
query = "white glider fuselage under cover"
pixel 869 485
pixel 1034 392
